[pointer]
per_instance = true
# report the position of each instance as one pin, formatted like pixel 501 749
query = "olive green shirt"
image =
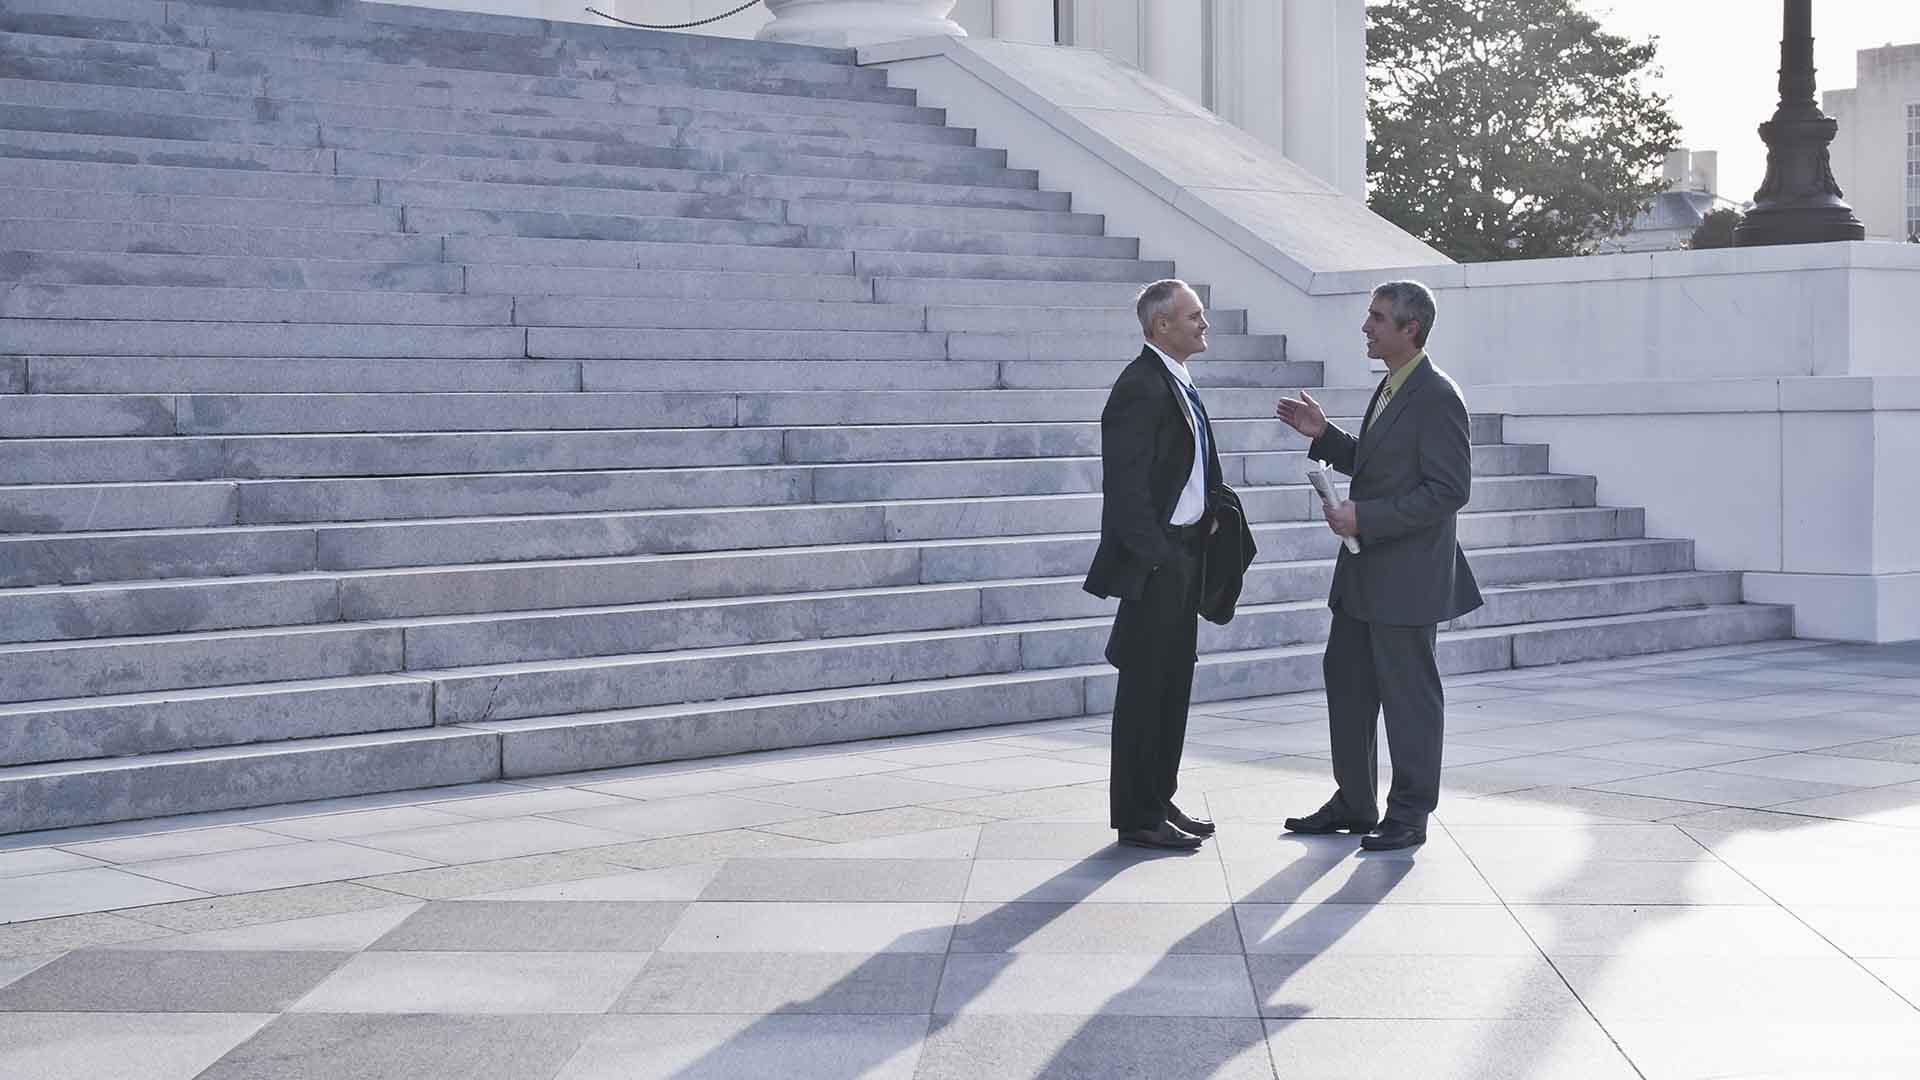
pixel 1394 382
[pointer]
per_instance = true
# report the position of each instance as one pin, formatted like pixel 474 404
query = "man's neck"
pixel 1168 353
pixel 1395 363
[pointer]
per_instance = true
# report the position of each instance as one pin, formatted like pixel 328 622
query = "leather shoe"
pixel 1392 836
pixel 1187 824
pixel 1327 820
pixel 1161 836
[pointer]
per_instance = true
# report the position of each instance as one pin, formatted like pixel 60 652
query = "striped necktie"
pixel 1201 425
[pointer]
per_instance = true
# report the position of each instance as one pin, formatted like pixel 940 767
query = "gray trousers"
pixel 1370 667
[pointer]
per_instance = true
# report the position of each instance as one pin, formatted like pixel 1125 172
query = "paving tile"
pixel 480 841
pixel 842 828
pixel 278 867
pixel 679 780
pixel 1255 843
pixel 279 905
pixel 1646 842
pixel 730 1047
pixel 1357 881
pixel 1010 774
pixel 961 843
pixel 1900 972
pixel 1904 748
pixel 522 803
pixel 971 1046
pixel 362 822
pixel 672 883
pixel 124 1046
pixel 1827 769
pixel 1178 878
pixel 1897 806
pixel 1085 803
pixel 493 982
pixel 348 932
pixel 819 767
pixel 13 968
pixel 1745 988
pixel 790 983
pixel 1831 883
pixel 1382 930
pixel 1617 881
pixel 1541 770
pixel 789 927
pixel 43 861
pixel 450 882
pixel 680 817
pixel 1096 928
pixel 1570 1048
pixel 74 892
pixel 1596 807
pixel 129 980
pixel 1410 987
pixel 1723 788
pixel 1867 932
pixel 348 1047
pixel 1696 1048
pixel 700 848
pixel 1100 984
pixel 173 845
pixel 830 880
pixel 531 926
pixel 1657 930
pixel 946 753
pixel 853 794
pixel 1673 752
pixel 1054 840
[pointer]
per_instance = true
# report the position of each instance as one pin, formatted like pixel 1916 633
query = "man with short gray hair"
pixel 1412 470
pixel 1158 464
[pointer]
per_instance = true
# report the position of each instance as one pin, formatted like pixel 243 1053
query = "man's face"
pixel 1182 332
pixel 1383 338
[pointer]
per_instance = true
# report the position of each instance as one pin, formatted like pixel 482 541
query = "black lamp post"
pixel 1799 202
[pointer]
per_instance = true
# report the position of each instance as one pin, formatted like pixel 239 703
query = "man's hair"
pixel 1155 300
pixel 1411 302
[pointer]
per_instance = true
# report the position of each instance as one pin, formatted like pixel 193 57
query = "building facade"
pixel 1876 156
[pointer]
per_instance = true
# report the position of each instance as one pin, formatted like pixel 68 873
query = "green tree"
pixel 1716 230
pixel 1510 129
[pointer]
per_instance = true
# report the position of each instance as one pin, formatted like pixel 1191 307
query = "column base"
pixel 845 24
pixel 1876 608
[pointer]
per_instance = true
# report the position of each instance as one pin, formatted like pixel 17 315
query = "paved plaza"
pixel 1695 865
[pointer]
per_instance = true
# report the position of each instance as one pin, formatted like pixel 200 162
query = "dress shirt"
pixel 1395 381
pixel 1193 497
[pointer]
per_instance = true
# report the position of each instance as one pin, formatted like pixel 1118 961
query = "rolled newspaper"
pixel 1320 475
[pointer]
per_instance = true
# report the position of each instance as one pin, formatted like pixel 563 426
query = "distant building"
pixel 1876 157
pixel 1693 184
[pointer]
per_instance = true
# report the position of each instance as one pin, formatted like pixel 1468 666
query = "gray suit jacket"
pixel 1412 469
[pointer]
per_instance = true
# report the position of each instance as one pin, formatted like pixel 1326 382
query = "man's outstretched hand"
pixel 1303 414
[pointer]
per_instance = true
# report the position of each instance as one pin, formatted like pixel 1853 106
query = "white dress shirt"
pixel 1193 497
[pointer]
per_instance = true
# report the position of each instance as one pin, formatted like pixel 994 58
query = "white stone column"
pixel 1023 20
pixel 1324 65
pixel 849 23
pixel 1172 44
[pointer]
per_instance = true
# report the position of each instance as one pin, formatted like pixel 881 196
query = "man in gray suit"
pixel 1412 468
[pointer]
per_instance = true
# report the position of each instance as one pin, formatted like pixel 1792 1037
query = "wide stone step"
pixel 148 374
pixel 195 304
pixel 573 282
pixel 173 239
pixel 126 150
pixel 81 337
pixel 78 558
pixel 116 725
pixel 88 205
pixel 190 781
pixel 65 669
pixel 477 114
pixel 226 271
pixel 1109 322
pixel 825 375
pixel 39 415
pixel 101 176
pixel 484 71
pixel 1013 267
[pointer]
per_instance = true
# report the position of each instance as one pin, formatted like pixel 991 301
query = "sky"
pixel 1721 60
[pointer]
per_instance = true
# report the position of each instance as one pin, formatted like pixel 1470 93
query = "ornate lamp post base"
pixel 850 23
pixel 1799 202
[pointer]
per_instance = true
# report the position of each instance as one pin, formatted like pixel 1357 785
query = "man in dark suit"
pixel 1158 462
pixel 1412 467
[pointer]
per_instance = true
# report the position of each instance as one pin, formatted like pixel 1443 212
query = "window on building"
pixel 1913 173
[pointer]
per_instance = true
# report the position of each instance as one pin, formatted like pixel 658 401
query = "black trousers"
pixel 1153 645
pixel 1371 666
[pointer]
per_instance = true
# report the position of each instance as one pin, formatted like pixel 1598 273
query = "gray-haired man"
pixel 1412 470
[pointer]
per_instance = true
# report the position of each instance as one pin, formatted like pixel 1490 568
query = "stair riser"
pixel 89 205
pixel 211 720
pixel 141 303
pixel 160 270
pixel 88 670
pixel 165 788
pixel 56 337
pixel 215 605
pixel 147 374
pixel 216 240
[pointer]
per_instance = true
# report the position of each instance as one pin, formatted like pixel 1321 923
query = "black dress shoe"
pixel 1162 836
pixel 1327 820
pixel 1186 824
pixel 1392 836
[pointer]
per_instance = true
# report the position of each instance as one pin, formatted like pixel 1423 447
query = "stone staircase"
pixel 392 397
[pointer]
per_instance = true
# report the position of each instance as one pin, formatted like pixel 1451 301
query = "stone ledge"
pixel 1811 394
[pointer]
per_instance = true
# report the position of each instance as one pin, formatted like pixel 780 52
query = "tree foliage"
pixel 1716 230
pixel 1510 129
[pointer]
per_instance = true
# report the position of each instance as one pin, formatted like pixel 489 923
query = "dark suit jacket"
pixel 1412 470
pixel 1230 550
pixel 1146 455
